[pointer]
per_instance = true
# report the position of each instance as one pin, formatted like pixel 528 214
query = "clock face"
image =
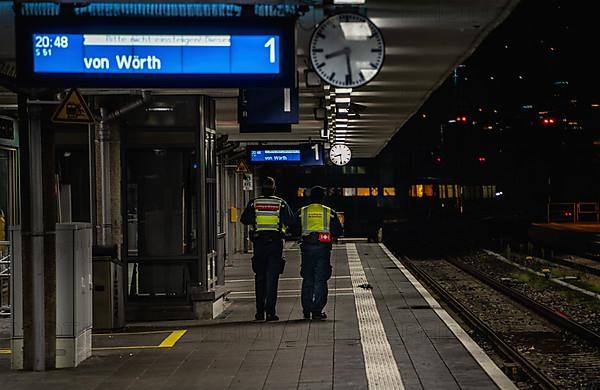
pixel 340 154
pixel 347 50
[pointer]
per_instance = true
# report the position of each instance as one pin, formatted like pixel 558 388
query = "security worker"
pixel 320 225
pixel 268 217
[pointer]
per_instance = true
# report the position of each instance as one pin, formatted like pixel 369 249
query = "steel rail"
pixel 556 318
pixel 500 345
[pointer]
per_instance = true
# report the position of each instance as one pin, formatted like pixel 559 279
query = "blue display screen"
pixel 302 155
pixel 274 155
pixel 157 54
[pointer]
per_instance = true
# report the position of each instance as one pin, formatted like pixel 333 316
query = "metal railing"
pixel 4 278
pixel 573 212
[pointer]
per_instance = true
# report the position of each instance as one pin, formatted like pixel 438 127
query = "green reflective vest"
pixel 267 214
pixel 315 218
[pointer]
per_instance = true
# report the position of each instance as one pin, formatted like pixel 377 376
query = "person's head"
pixel 268 186
pixel 317 194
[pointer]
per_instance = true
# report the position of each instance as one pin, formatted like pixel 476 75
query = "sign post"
pixel 73 110
pixel 248 182
pixel 242 167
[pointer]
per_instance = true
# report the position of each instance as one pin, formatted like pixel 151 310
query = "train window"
pixel 428 190
pixel 363 191
pixel 374 191
pixel 389 191
pixel 353 170
pixel 417 190
pixel 349 191
pixel 441 191
pixel 450 191
pixel 489 191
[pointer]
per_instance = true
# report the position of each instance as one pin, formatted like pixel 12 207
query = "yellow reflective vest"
pixel 267 214
pixel 315 218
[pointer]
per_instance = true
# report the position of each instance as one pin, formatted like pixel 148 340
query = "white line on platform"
pixel 348 294
pixel 280 279
pixel 380 366
pixel 499 378
pixel 288 291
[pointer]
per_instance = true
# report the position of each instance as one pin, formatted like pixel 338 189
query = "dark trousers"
pixel 266 264
pixel 315 271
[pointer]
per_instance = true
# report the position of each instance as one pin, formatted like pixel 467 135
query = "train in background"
pixel 374 211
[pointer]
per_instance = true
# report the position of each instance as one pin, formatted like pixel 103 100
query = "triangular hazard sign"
pixel 242 167
pixel 73 110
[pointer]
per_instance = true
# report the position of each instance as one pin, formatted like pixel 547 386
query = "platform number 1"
pixel 315 147
pixel 271 45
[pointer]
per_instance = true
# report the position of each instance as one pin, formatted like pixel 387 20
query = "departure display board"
pixel 156 52
pixel 303 155
pixel 275 155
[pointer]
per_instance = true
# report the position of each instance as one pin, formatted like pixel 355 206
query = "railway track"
pixel 577 263
pixel 555 353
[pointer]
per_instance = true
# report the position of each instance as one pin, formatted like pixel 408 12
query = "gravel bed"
pixel 578 307
pixel 571 363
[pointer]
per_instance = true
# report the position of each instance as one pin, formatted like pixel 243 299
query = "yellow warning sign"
pixel 73 109
pixel 242 167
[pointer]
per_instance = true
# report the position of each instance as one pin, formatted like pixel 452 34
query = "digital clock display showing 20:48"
pixel 156 54
pixel 43 44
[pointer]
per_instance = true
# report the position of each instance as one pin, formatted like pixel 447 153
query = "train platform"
pixel 384 331
pixel 576 237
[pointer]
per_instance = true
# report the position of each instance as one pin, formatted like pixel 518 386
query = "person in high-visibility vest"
pixel 319 227
pixel 268 217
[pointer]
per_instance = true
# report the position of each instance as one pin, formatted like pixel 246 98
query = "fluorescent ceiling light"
pixel 342 110
pixel 342 100
pixel 341 125
pixel 356 31
pixel 160 109
pixel 343 90
pixel 349 1
pixel 341 120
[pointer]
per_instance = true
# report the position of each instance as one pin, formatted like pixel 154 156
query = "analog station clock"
pixel 347 50
pixel 340 154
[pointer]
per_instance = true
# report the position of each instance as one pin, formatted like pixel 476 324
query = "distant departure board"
pixel 302 155
pixel 275 155
pixel 212 52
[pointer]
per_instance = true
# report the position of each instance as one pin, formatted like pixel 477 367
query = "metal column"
pixel 38 220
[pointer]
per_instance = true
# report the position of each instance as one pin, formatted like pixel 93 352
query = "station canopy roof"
pixel 425 41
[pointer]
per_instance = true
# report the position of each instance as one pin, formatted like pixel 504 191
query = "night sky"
pixel 528 102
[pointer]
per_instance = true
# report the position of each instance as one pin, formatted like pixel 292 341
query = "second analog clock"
pixel 340 154
pixel 347 50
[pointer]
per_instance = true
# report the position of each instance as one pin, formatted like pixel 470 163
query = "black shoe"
pixel 307 315
pixel 272 317
pixel 319 316
pixel 259 316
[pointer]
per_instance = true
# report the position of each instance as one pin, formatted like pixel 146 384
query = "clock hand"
pixel 349 67
pixel 335 54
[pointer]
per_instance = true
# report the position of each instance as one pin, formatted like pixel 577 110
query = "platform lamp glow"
pixel 347 50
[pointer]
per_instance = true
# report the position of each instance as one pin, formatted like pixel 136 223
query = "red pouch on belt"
pixel 325 237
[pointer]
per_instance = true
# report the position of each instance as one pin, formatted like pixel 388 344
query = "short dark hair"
pixel 317 194
pixel 268 185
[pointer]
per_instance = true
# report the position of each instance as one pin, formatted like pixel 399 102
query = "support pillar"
pixel 38 200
